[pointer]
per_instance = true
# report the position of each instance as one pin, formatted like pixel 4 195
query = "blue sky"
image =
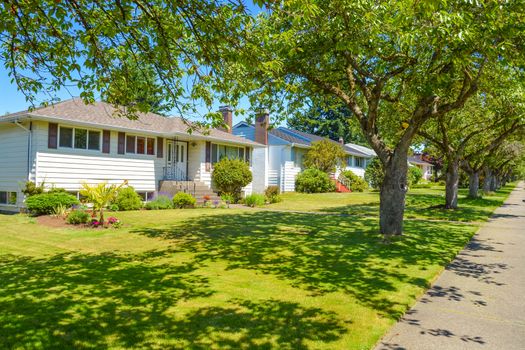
pixel 12 100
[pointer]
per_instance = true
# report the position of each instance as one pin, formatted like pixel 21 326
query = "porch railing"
pixel 175 174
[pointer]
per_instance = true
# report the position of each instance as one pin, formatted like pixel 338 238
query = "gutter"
pixel 130 130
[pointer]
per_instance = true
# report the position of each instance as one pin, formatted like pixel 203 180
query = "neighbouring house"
pixel 70 142
pixel 426 167
pixel 285 151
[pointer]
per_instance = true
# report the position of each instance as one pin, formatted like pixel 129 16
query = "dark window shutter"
pixel 208 156
pixel 121 143
pixel 106 141
pixel 248 155
pixel 160 147
pixel 52 135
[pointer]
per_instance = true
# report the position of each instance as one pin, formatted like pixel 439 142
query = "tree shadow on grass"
pixel 429 206
pixel 321 253
pixel 129 301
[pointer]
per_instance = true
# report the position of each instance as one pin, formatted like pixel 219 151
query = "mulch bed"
pixel 53 221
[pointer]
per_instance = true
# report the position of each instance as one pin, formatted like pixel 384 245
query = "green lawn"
pixel 224 278
pixel 421 203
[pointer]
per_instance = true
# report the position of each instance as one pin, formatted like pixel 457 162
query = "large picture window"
pixel 79 138
pixel 231 152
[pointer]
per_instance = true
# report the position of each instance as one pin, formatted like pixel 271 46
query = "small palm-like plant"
pixel 101 196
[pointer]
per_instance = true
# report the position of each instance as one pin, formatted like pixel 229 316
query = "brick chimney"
pixel 228 119
pixel 262 121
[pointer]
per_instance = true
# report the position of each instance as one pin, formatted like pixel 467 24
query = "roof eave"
pixel 131 130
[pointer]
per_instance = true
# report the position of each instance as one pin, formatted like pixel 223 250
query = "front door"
pixel 176 160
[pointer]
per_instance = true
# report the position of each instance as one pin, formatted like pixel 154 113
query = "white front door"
pixel 176 160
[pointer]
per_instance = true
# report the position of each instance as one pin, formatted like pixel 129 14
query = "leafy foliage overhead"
pixel 119 48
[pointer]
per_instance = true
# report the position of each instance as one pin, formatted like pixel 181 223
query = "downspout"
pixel 29 145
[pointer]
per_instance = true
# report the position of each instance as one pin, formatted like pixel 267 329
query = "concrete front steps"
pixel 196 188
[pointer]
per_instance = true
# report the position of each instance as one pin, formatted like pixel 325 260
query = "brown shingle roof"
pixel 105 115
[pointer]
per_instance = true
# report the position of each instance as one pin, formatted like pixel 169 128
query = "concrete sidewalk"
pixel 479 300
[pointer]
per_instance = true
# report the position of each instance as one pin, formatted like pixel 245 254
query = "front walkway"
pixel 479 300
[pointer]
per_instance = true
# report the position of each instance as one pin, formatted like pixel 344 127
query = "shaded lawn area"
pixel 420 203
pixel 214 279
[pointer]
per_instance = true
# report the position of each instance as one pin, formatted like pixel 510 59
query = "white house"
pixel 70 142
pixel 426 167
pixel 286 148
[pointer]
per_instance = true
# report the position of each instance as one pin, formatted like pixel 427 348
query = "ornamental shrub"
pixel 77 217
pixel 229 176
pixel 314 181
pixel 183 200
pixel 30 188
pixel 374 173
pixel 46 203
pixel 324 155
pixel 159 203
pixel 273 194
pixel 414 175
pixel 254 200
pixel 357 183
pixel 128 199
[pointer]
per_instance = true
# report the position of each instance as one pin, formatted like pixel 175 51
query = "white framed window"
pixel 140 145
pixel 8 198
pixel 79 138
pixel 359 162
pixel 231 152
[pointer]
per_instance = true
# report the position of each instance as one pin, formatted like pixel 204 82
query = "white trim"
pixel 130 130
pixel 136 136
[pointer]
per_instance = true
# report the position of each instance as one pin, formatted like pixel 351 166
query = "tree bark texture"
pixel 473 184
pixel 392 197
pixel 487 181
pixel 452 185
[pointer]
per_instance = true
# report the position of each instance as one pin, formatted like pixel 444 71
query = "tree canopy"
pixel 333 124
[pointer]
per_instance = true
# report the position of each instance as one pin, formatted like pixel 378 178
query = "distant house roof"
pixel 101 114
pixel 416 159
pixel 368 151
pixel 304 139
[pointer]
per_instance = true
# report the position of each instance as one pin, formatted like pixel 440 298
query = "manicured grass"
pixel 219 279
pixel 420 203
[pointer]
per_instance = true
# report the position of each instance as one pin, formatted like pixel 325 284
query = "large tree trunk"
pixel 473 184
pixel 493 182
pixel 452 185
pixel 392 198
pixel 487 181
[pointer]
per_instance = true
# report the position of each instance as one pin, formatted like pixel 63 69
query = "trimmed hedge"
pixel 184 200
pixel 46 203
pixel 314 181
pixel 128 199
pixel 77 217
pixel 357 184
pixel 229 176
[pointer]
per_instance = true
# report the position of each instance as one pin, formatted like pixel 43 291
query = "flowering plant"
pixel 96 223
pixel 206 198
pixel 113 220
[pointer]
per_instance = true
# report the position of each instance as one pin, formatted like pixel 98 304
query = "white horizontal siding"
pixel 13 161
pixel 68 168
pixel 288 174
pixel 70 171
